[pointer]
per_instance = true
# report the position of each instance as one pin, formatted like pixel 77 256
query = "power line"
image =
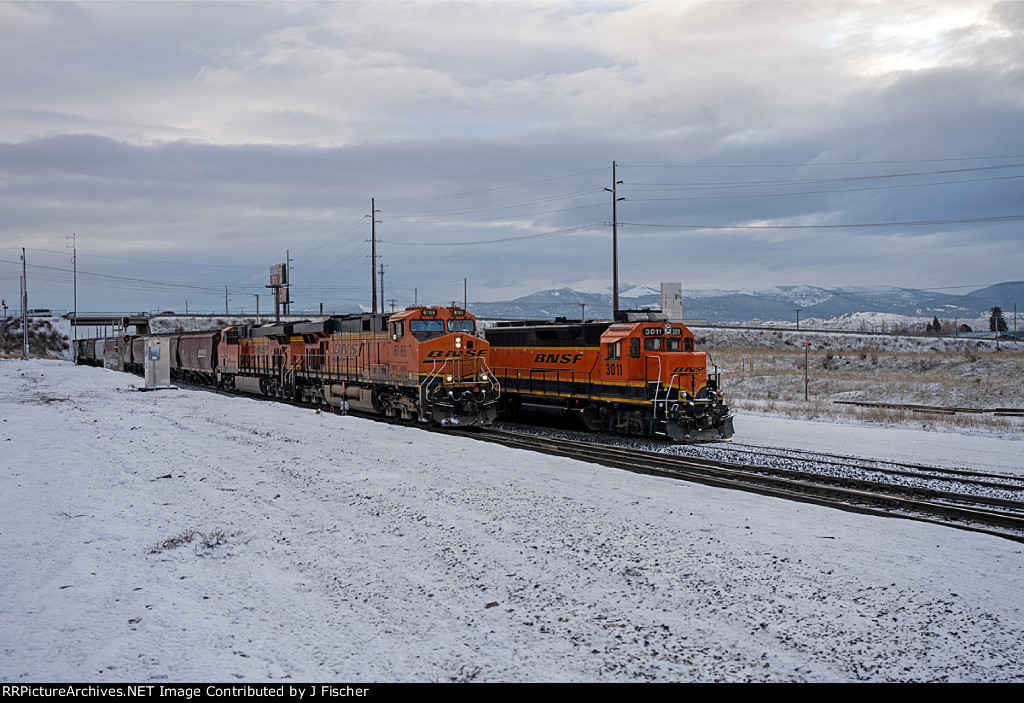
pixel 496 188
pixel 485 208
pixel 583 228
pixel 826 163
pixel 813 192
pixel 509 216
pixel 1004 218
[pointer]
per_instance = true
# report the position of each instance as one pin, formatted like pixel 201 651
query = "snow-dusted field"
pixel 181 535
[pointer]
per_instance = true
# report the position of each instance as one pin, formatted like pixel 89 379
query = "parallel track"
pixel 963 511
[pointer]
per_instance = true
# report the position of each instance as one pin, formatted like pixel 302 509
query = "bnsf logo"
pixel 346 349
pixel 451 354
pixel 688 369
pixel 558 358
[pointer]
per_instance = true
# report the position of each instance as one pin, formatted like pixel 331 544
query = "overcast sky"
pixel 189 145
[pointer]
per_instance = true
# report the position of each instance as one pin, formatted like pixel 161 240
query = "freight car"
pixel 637 375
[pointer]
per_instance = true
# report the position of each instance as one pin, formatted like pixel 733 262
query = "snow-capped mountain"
pixel 773 303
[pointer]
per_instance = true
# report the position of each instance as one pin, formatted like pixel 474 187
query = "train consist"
pixel 637 375
pixel 422 364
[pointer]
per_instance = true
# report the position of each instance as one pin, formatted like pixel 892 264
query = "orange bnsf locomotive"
pixel 637 375
pixel 424 363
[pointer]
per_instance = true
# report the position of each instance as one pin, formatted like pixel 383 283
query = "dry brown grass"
pixel 771 381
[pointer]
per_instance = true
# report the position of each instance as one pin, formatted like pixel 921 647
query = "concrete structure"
pixel 672 300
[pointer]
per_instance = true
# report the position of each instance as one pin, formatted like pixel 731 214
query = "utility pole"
pixel 465 293
pixel 615 242
pixel 74 325
pixel 288 281
pixel 583 312
pixel 24 306
pixel 797 311
pixel 225 300
pixel 381 292
pixel 257 307
pixel 373 259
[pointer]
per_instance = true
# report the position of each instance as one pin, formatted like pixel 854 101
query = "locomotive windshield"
pixel 461 326
pixel 426 326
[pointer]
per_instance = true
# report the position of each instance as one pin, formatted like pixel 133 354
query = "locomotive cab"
pixel 456 387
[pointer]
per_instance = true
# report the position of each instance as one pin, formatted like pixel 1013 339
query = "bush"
pixel 43 339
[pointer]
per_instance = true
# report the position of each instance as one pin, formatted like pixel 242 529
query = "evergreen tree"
pixel 996 321
pixel 936 326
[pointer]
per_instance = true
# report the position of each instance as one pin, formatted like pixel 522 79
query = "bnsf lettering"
pixel 452 354
pixel 688 369
pixel 558 358
pixel 344 349
pixel 653 332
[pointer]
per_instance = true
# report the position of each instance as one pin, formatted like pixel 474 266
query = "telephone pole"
pixel 288 282
pixel 373 260
pixel 382 267
pixel 615 242
pixel 74 325
pixel 24 306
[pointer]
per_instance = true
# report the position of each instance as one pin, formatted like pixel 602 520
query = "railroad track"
pixel 991 515
pixel 1011 485
pixel 936 409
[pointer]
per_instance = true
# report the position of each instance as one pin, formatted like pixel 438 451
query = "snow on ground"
pixel 954 451
pixel 185 536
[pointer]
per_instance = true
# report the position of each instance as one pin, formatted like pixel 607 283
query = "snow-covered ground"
pixel 912 446
pixel 181 536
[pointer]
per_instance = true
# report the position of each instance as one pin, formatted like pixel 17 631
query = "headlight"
pixel 448 378
pixel 483 377
pixel 458 342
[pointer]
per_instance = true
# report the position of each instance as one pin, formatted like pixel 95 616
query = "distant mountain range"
pixel 776 303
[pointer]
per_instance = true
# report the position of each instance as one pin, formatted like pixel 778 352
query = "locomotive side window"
pixel 688 344
pixel 653 344
pixel 615 350
pixel 398 329
pixel 634 347
pixel 673 344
